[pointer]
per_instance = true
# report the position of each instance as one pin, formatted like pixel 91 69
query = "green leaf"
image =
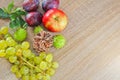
pixel 13 16
pixel 15 23
pixel 3 14
pixel 22 22
pixel 10 6
pixel 18 22
pixel 20 13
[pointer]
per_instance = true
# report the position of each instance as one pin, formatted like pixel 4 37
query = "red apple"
pixel 55 20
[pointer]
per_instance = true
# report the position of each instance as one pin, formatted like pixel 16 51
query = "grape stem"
pixel 30 64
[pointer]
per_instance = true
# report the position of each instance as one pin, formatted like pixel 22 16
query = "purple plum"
pixel 33 18
pixel 49 4
pixel 30 5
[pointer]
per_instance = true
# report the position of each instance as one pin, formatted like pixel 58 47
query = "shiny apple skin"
pixel 55 20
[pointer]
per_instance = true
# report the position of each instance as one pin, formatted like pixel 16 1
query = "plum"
pixel 49 4
pixel 33 18
pixel 30 5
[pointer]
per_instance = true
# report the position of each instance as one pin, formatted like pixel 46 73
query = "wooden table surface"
pixel 92 51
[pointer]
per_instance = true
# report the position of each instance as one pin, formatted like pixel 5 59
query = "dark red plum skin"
pixel 34 18
pixel 49 4
pixel 30 5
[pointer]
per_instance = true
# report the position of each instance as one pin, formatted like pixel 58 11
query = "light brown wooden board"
pixel 92 51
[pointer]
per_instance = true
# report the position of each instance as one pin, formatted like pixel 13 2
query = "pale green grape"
pixel 49 58
pixel 32 55
pixel 55 65
pixel 31 61
pixel 10 51
pixel 25 45
pixel 46 77
pixel 4 30
pixel 3 44
pixel 37 60
pixel 26 77
pixel 24 70
pixel 50 71
pixel 14 68
pixel 49 64
pixel 27 53
pixel 18 46
pixel 2 53
pixel 12 59
pixel 18 74
pixel 43 65
pixel 37 70
pixel 42 55
pixel 33 77
pixel 7 35
pixel 10 41
pixel 39 76
pixel 17 62
pixel 19 53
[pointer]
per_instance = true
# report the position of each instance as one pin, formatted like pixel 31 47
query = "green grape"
pixel 32 55
pixel 27 53
pixel 37 29
pixel 31 61
pixel 46 77
pixel 19 53
pixel 39 76
pixel 43 65
pixel 49 64
pixel 3 44
pixel 33 77
pixel 55 65
pixel 20 34
pixel 18 74
pixel 12 59
pixel 59 41
pixel 14 68
pixel 37 60
pixel 10 51
pixel 10 41
pixel 17 62
pixel 2 53
pixel 50 71
pixel 49 57
pixel 4 30
pixel 18 46
pixel 7 35
pixel 42 55
pixel 24 70
pixel 37 69
pixel 26 77
pixel 25 45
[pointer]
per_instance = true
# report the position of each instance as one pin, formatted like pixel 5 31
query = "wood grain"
pixel 92 51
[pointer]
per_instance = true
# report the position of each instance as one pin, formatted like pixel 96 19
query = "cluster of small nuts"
pixel 42 41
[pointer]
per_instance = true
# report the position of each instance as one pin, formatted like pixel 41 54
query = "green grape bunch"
pixel 25 64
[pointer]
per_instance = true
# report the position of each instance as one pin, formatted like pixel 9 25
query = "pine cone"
pixel 42 41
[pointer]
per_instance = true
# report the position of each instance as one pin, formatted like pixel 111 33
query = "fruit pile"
pixel 25 64
pixel 53 19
